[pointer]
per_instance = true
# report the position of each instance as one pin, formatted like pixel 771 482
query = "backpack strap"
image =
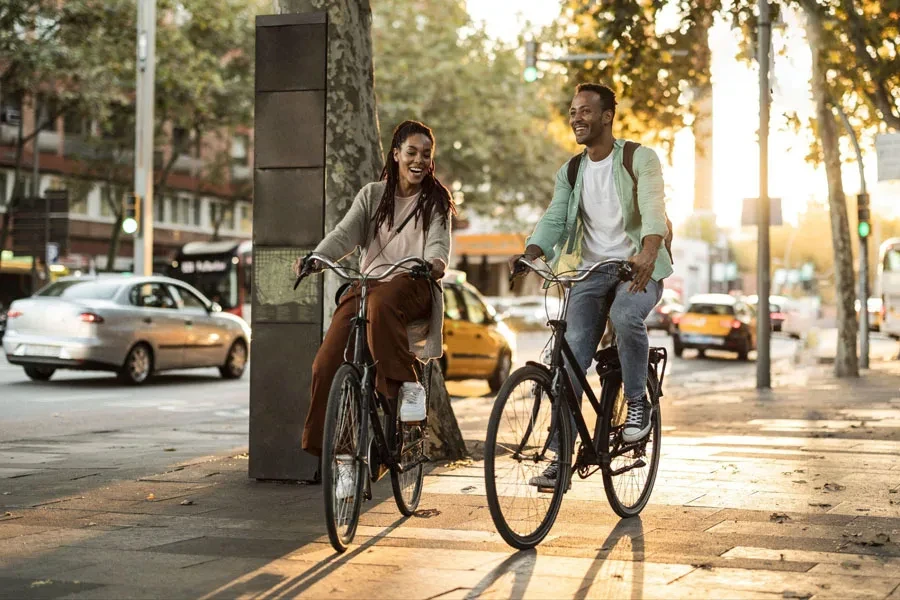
pixel 572 169
pixel 628 163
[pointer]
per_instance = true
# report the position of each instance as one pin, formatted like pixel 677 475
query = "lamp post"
pixel 143 139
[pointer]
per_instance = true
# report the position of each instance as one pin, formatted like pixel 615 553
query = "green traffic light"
pixel 531 74
pixel 129 225
pixel 864 229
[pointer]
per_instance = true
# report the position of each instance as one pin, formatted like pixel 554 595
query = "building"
pixel 191 209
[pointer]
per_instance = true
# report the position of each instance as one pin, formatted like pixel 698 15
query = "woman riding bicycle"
pixel 405 213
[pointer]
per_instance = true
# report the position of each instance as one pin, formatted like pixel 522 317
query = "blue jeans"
pixel 589 308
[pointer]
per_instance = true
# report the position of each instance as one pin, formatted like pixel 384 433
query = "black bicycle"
pixel 538 402
pixel 363 431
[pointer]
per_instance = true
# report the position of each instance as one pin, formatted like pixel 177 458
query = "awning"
pixel 488 244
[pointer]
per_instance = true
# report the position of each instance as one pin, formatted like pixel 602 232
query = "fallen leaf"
pixel 151 497
pixel 468 488
pixel 863 509
pixel 40 582
pixel 168 449
pixel 187 502
pixel 779 517
pixel 426 513
pixel 799 481
pixel 91 524
pixel 835 487
pixel 704 566
pixel 243 456
pixel 7 514
pixel 7 493
pixel 791 594
pixel 851 565
pixel 458 464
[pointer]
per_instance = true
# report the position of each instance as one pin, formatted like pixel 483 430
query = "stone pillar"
pixel 288 221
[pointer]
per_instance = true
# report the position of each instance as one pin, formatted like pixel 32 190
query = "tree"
pixel 352 148
pixel 67 57
pixel 493 140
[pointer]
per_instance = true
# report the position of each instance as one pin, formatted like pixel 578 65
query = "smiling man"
pixel 595 216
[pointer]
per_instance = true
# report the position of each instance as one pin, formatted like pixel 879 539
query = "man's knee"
pixel 627 317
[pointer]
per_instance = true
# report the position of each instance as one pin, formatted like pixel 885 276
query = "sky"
pixel 735 123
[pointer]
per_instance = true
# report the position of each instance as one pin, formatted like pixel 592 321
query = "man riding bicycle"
pixel 596 218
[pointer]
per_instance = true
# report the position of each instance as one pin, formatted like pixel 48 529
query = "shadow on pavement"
pixel 627 533
pixel 520 564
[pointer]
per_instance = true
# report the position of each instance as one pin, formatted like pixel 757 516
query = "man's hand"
pixel 531 253
pixel 643 263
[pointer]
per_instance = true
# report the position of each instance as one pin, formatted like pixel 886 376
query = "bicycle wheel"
pixel 629 479
pixel 516 451
pixel 343 472
pixel 410 441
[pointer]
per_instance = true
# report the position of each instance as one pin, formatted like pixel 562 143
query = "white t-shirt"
pixel 601 212
pixel 388 246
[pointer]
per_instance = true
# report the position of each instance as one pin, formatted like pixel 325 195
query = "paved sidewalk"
pixel 790 494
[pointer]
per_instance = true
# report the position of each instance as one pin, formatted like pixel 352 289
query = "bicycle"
pixel 354 437
pixel 541 399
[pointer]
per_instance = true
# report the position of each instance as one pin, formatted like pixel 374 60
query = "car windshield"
pixel 95 290
pixel 711 309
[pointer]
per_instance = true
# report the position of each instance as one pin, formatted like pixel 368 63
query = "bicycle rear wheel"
pixel 409 440
pixel 516 451
pixel 628 482
pixel 343 471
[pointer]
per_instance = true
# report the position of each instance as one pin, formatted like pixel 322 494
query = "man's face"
pixel 587 117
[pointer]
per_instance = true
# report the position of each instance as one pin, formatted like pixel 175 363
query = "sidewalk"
pixel 789 494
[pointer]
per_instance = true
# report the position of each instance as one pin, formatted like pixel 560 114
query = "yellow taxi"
pixel 716 322
pixel 477 343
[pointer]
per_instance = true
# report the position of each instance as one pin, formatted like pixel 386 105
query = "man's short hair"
pixel 607 96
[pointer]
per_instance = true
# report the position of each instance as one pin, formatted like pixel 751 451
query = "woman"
pixel 405 213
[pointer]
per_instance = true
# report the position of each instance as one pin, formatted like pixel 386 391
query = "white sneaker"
pixel 412 402
pixel 345 483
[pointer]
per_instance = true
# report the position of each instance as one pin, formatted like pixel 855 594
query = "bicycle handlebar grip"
pixel 626 272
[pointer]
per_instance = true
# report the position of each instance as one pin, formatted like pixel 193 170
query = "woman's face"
pixel 414 159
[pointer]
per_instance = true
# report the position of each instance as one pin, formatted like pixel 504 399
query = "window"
pixel 223 215
pixel 151 295
pixel 197 204
pixel 246 219
pixel 107 196
pixel 4 196
pixel 78 201
pixel 74 288
pixel 711 309
pixel 475 309
pixel 187 300
pixel 892 260
pixel 184 211
pixel 451 304
pixel 168 208
pixel 240 153
pixel 159 209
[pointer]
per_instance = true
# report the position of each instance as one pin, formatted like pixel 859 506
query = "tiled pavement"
pixel 783 495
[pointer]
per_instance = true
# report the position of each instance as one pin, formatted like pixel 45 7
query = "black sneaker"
pixel 546 481
pixel 637 422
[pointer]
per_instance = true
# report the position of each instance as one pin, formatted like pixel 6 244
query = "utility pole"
pixel 763 323
pixel 143 139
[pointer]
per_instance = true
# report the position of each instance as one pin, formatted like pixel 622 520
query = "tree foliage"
pixel 492 128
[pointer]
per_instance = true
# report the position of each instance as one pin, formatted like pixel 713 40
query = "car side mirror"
pixel 215 307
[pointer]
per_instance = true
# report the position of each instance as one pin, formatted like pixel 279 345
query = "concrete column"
pixel 288 221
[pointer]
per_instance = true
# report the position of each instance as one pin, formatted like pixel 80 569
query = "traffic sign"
pixel 52 253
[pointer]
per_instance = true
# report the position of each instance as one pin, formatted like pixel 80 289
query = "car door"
pixel 205 338
pixel 459 362
pixel 484 349
pixel 156 320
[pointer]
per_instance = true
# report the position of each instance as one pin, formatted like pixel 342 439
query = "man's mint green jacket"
pixel 560 232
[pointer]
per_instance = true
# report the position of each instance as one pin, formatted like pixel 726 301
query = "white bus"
pixel 887 286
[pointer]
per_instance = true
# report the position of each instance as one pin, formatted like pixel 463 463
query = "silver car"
pixel 135 326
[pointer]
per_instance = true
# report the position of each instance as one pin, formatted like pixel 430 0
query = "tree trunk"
pixel 845 364
pixel 113 249
pixel 445 440
pixel 17 191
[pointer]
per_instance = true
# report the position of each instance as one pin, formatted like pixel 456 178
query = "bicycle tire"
pixel 346 509
pixel 407 487
pixel 610 441
pixel 540 379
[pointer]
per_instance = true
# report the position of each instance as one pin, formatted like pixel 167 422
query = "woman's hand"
pixel 303 262
pixel 437 269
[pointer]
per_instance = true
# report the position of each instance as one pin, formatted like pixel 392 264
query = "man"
pixel 594 220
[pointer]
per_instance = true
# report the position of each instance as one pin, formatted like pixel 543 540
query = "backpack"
pixel 628 161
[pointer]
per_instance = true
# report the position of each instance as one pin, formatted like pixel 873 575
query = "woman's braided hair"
pixel 434 194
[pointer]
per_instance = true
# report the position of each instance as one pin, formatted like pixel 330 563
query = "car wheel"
pixel 701 353
pixel 501 373
pixel 744 351
pixel 678 346
pixel 236 362
pixel 39 373
pixel 138 365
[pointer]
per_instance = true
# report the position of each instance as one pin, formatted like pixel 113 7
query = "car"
pixel 662 315
pixel 528 313
pixel 2 320
pixel 876 312
pixel 134 326
pixel 716 322
pixel 478 344
pixel 777 310
pixel 799 317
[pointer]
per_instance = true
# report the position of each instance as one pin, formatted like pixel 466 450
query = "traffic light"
pixel 531 71
pixel 131 214
pixel 862 212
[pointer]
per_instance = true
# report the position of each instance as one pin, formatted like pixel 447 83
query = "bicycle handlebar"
pixel 343 273
pixel 625 271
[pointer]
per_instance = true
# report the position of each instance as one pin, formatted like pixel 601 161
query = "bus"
pixel 223 271
pixel 887 286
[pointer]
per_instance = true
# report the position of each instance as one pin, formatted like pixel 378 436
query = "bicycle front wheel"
pixel 628 482
pixel 343 471
pixel 518 453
